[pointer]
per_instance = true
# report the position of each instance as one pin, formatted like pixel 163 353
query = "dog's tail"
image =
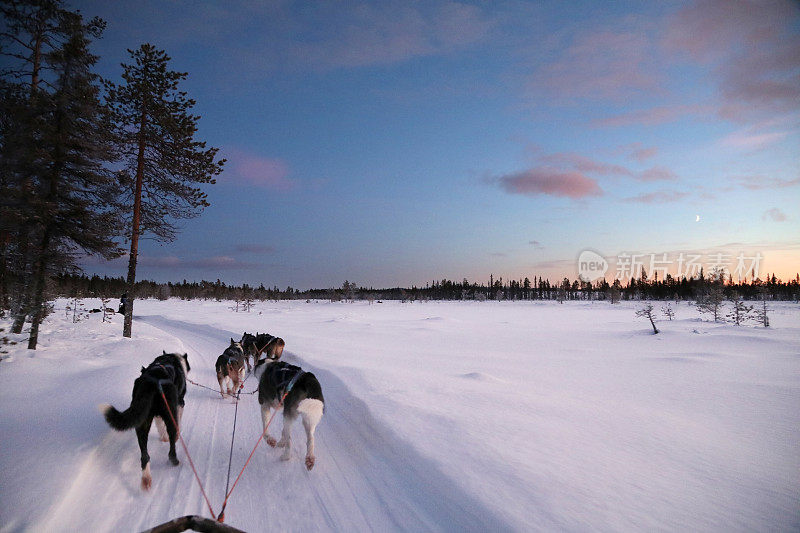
pixel 134 415
pixel 311 411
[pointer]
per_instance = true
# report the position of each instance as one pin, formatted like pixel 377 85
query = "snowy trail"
pixel 366 478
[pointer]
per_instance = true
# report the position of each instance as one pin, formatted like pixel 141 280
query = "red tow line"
pixel 186 451
pixel 221 517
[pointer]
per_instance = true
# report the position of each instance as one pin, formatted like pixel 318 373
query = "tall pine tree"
pixel 75 200
pixel 165 164
pixel 30 30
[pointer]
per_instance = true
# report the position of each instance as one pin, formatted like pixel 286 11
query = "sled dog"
pixel 261 343
pixel 230 368
pixel 169 371
pixel 304 398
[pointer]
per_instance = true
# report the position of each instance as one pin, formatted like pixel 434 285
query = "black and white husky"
pixel 230 368
pixel 168 370
pixel 304 398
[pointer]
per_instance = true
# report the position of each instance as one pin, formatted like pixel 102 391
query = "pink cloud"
pixel 659 197
pixel 754 140
pixel 221 262
pixel 706 29
pixel 637 152
pixel 753 49
pixel 749 50
pixel 607 64
pixel 757 183
pixel 254 248
pixel 389 32
pixel 657 174
pixel 655 115
pixel 169 261
pixel 774 214
pixel 537 181
pixel 584 164
pixel 260 171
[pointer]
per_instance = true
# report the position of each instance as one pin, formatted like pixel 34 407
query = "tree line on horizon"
pixel 697 288
pixel 87 164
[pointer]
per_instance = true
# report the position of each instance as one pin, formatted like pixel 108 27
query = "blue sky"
pixel 393 143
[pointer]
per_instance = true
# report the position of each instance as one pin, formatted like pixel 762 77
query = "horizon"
pixel 391 144
pixel 553 283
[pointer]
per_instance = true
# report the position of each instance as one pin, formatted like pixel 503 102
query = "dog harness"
pixel 283 376
pixel 154 368
pixel 160 373
pixel 258 351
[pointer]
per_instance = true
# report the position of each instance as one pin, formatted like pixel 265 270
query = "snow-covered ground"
pixel 473 416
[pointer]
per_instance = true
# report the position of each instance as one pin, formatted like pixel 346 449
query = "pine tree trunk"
pixel 21 307
pixel 25 288
pixel 38 295
pixel 50 207
pixel 131 284
pixel 23 302
pixel 137 217
pixel 4 239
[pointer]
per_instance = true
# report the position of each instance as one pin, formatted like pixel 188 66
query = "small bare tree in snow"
pixel 668 312
pixel 76 308
pixel 647 312
pixel 740 311
pixel 107 311
pixel 711 302
pixel 762 309
pixel 5 342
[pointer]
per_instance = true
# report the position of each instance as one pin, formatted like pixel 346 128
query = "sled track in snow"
pixel 365 479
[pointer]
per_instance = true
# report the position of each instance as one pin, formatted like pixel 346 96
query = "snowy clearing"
pixel 451 416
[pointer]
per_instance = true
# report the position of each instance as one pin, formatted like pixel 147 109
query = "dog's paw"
pixel 271 441
pixel 164 439
pixel 174 461
pixel 310 461
pixel 147 482
pixel 286 455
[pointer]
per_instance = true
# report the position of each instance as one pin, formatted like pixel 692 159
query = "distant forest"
pixel 71 285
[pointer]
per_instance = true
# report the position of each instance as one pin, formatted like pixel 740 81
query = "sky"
pixel 394 143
